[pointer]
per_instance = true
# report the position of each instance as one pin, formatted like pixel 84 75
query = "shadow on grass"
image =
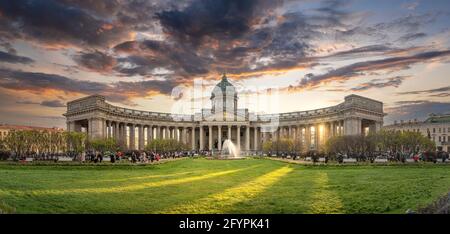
pixel 146 197
pixel 221 201
pixel 290 194
pixel 387 190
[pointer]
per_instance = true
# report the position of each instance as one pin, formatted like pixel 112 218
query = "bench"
pixel 64 159
pixel 321 159
pixel 381 160
pixel 28 159
pixel 308 159
pixel 349 160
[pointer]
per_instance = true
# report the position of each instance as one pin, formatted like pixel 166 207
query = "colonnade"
pixel 210 136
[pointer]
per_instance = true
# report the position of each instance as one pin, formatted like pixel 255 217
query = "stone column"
pixel 89 130
pixel 141 137
pixel 193 138
pixel 378 126
pixel 158 132
pixel 110 129
pixel 202 146
pixel 122 135
pixel 105 124
pixel 317 126
pixel 352 126
pixel 219 137
pixel 255 139
pixel 290 132
pixel 247 138
pixel 96 128
pixel 210 137
pixel 300 135
pixel 132 137
pixel 149 134
pixel 238 139
pixel 116 131
pixel 71 126
pixel 308 137
pixel 183 135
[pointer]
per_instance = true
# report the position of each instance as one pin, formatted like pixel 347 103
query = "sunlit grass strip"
pixel 223 201
pixel 324 200
pixel 123 188
pixel 143 177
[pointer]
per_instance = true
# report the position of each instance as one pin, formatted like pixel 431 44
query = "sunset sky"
pixel 146 55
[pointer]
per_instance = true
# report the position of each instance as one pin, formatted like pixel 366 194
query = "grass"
pixel 220 186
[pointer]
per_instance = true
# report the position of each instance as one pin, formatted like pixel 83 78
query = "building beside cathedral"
pixel 207 130
pixel 436 127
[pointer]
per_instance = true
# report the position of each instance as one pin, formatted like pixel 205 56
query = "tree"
pixel 267 146
pixel 103 145
pixel 387 141
pixel 166 145
pixel 76 141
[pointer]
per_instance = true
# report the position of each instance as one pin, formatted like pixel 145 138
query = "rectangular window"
pixel 439 138
pixel 439 130
pixel 434 130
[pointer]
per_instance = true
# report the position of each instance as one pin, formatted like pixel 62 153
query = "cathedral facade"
pixel 207 130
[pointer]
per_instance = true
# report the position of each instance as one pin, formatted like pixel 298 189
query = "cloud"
pixel 53 103
pixel 95 61
pixel 416 109
pixel 381 83
pixel 217 19
pixel 47 103
pixel 27 102
pixel 410 5
pixel 364 50
pixel 444 90
pixel 55 24
pixel 12 58
pixel 411 37
pixel 358 69
pixel 116 92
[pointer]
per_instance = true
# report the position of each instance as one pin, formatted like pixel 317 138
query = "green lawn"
pixel 220 186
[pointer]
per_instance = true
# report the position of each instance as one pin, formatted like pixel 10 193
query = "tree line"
pixel 25 142
pixel 22 143
pixel 382 141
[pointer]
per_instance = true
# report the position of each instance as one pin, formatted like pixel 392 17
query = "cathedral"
pixel 207 130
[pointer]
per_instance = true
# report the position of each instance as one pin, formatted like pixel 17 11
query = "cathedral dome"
pixel 225 88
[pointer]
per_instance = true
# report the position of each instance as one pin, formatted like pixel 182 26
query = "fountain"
pixel 229 151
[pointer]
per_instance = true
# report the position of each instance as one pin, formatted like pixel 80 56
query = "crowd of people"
pixel 134 156
pixel 140 156
pixel 367 156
